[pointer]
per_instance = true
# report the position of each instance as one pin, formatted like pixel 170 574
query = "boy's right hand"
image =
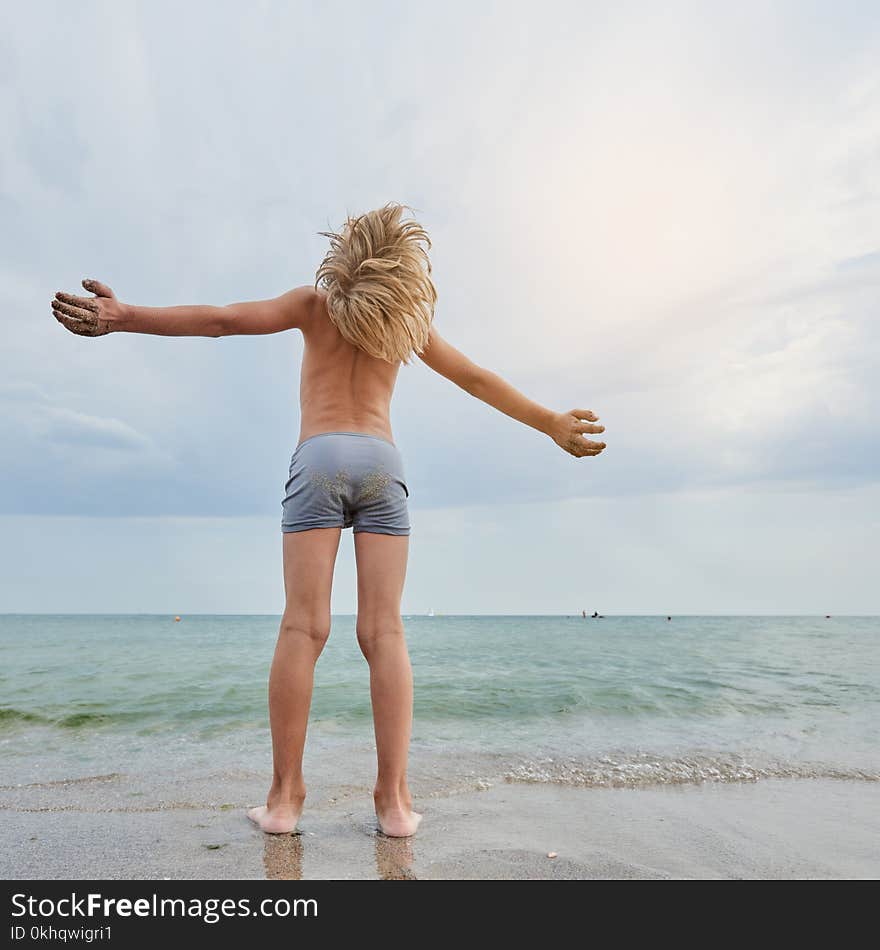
pixel 88 316
pixel 567 431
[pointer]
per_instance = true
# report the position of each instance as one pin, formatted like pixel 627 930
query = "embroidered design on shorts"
pixel 374 485
pixel 332 486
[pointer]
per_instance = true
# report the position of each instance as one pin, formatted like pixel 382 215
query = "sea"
pixel 618 701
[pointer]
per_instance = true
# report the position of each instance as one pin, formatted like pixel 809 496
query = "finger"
pixel 87 303
pixel 75 326
pixel 96 287
pixel 86 316
pixel 71 318
pixel 587 427
pixel 578 447
pixel 583 453
pixel 585 414
pixel 63 318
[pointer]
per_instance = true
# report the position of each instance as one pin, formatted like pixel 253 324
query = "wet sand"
pixel 108 828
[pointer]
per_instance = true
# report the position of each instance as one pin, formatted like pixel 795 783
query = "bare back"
pixel 342 388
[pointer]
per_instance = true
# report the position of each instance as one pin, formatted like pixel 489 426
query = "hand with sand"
pixel 568 428
pixel 88 316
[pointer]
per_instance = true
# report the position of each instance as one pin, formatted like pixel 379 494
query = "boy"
pixel 370 309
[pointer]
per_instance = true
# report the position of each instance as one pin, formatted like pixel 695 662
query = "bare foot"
pixel 396 817
pixel 278 820
pixel 397 823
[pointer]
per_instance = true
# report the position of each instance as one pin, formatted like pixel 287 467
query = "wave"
pixel 10 716
pixel 18 715
pixel 65 782
pixel 643 770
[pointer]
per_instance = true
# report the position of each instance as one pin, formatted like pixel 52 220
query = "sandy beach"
pixel 779 828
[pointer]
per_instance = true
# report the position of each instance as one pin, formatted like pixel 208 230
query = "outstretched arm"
pixel 565 428
pixel 103 313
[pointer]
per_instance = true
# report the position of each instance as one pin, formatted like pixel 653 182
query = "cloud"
pixel 77 428
pixel 57 459
pixel 21 392
pixel 667 216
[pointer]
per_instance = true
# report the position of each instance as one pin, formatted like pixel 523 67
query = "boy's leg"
pixel 309 558
pixel 381 569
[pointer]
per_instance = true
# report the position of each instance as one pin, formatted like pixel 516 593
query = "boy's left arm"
pixel 104 313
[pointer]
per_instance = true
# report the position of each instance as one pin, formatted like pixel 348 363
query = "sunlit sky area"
pixel 669 214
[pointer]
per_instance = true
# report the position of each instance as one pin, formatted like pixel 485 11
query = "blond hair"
pixel 377 276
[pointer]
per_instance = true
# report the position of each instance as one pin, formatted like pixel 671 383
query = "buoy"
pixel 177 619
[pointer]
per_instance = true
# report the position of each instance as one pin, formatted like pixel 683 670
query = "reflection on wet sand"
pixel 283 857
pixel 394 858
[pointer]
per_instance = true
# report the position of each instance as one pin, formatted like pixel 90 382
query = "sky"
pixel 668 216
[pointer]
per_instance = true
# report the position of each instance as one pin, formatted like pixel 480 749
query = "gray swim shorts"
pixel 344 480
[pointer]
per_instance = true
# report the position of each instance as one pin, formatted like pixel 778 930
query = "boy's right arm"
pixel 565 428
pixel 103 314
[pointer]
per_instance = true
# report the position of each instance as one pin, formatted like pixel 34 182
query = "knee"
pixel 313 629
pixel 373 631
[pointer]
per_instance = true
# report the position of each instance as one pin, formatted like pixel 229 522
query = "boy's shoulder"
pixel 302 307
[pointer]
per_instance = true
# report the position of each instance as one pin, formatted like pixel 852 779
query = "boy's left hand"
pixel 568 431
pixel 88 316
